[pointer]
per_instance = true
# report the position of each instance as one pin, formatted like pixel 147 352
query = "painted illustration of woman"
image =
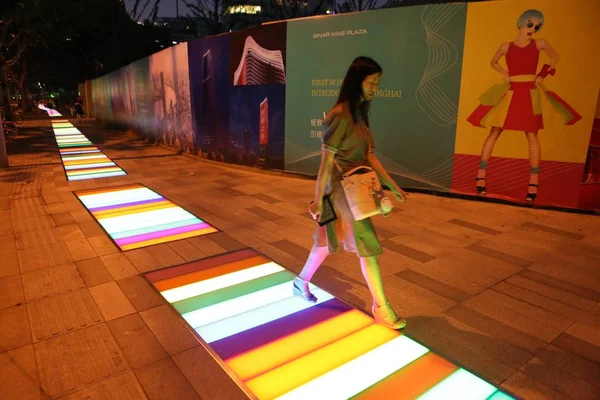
pixel 517 103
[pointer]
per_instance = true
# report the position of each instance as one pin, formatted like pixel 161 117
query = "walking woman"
pixel 517 105
pixel 348 143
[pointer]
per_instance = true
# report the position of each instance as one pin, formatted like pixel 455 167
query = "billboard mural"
pixel 413 115
pixel 171 105
pixel 525 138
pixel 475 98
pixel 257 96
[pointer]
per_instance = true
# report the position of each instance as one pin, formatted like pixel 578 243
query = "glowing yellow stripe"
pixel 293 374
pixel 279 352
pixel 168 239
pixel 91 171
pixel 145 208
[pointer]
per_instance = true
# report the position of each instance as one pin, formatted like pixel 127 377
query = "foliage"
pixel 356 5
pixel 275 10
pixel 75 40
pixel 212 17
pixel 140 10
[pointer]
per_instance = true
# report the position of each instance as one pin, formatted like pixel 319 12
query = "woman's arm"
pixel 334 131
pixel 495 63
pixel 324 175
pixel 385 178
pixel 554 58
pixel 553 54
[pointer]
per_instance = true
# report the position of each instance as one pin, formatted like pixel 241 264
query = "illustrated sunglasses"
pixel 537 27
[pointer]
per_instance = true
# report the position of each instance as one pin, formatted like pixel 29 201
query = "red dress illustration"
pixel 520 105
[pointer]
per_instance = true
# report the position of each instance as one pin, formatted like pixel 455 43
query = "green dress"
pixel 350 142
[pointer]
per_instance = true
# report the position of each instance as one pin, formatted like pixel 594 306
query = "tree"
pixel 63 42
pixel 19 27
pixel 213 17
pixel 140 7
pixel 90 38
pixel 18 74
pixel 276 10
pixel 356 5
pixel 19 24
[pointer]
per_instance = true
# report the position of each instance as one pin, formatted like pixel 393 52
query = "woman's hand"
pixel 506 78
pixel 316 209
pixel 538 81
pixel 399 194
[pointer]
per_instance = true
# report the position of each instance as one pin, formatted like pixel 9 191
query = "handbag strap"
pixel 337 166
pixel 355 169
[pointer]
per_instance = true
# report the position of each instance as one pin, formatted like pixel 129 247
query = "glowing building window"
pixel 244 9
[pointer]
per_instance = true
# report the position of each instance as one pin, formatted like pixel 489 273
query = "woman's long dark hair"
pixel 351 91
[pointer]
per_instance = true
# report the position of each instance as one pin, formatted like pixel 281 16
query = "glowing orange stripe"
pixel 83 162
pixel 87 171
pixel 286 349
pixel 411 381
pixel 78 149
pixel 134 209
pixel 202 275
pixel 128 209
pixel 168 239
pixel 91 171
pixel 108 190
pixel 306 368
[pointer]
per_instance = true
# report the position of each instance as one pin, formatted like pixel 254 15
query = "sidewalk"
pixel 512 294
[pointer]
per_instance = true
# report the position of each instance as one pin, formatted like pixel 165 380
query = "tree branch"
pixel 275 10
pixel 136 13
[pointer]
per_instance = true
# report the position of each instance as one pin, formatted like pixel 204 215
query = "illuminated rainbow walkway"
pixel 276 345
pixel 80 158
pixel 135 216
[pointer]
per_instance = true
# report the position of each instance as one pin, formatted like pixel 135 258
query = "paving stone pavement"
pixel 511 293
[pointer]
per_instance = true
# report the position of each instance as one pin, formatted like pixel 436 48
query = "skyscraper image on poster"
pixel 257 124
pixel 210 86
pixel 259 66
pixel 264 122
pixel 258 56
pixel 257 96
pixel 207 123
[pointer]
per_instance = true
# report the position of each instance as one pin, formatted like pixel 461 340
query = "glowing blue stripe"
pixel 259 316
pixel 92 176
pixel 156 228
pixel 460 385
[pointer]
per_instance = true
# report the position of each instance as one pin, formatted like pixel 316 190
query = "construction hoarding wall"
pixel 259 96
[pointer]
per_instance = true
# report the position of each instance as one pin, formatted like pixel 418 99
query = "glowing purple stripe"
pixel 160 234
pixel 121 205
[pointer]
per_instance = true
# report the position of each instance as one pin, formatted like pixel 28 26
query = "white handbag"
pixel 364 193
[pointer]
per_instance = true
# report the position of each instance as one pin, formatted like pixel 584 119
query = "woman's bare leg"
pixel 382 311
pixel 372 274
pixel 313 262
pixel 486 153
pixel 535 155
pixel 315 259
